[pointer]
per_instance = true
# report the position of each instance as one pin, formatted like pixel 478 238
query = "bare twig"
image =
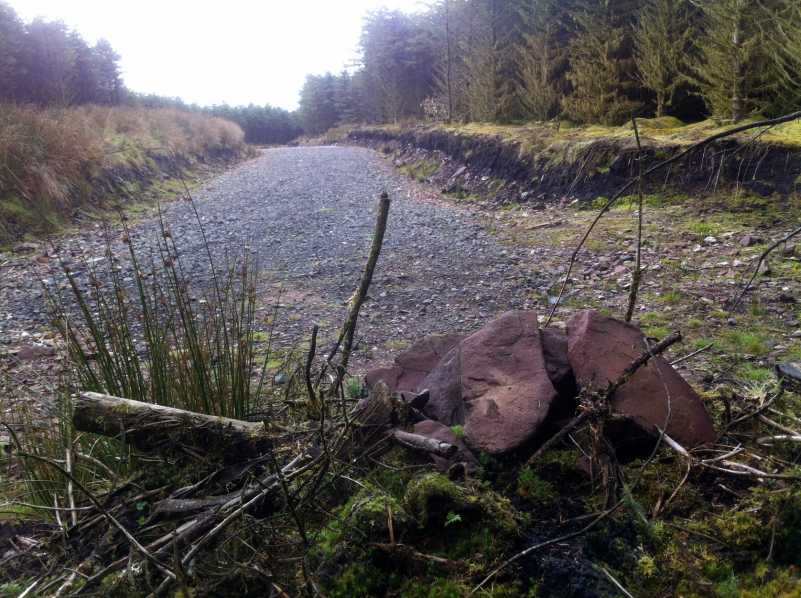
pixel 763 256
pixel 133 541
pixel 616 583
pixel 349 329
pixel 637 275
pixel 693 354
pixel 425 444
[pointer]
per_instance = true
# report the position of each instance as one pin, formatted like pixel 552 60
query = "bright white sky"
pixel 210 52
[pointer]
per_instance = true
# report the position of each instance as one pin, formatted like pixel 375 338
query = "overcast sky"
pixel 211 52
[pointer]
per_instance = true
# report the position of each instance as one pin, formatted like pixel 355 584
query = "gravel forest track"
pixel 308 213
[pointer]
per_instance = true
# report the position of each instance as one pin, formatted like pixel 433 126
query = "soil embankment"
pixel 538 167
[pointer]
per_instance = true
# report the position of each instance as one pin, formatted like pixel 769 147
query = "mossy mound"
pixel 441 534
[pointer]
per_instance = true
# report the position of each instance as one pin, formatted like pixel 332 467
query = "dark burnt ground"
pixel 308 215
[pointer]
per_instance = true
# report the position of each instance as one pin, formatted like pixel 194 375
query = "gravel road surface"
pixel 308 214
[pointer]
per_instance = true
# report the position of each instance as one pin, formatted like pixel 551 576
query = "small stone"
pixel 796 334
pixel 750 240
pixel 790 250
pixel 26 247
pixel 281 378
pixel 710 240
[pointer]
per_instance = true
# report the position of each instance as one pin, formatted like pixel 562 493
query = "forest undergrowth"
pixel 337 509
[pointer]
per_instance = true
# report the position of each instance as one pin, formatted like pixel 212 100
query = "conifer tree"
pixel 662 40
pixel 12 33
pixel 107 72
pixel 602 68
pixel 731 75
pixel 542 59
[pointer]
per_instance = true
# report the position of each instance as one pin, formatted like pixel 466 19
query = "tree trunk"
pixel 154 428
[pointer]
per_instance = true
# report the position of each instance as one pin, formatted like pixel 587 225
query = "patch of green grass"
pixel 397 344
pixel 672 297
pixel 354 388
pixel 746 341
pixel 421 170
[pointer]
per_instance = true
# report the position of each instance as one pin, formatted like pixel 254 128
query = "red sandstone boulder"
pixel 600 348
pixel 437 431
pixel 414 364
pixel 496 383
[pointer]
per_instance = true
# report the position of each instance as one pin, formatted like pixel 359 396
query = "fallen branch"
pixel 152 428
pixel 424 444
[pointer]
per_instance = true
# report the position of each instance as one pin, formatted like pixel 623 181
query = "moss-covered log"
pixel 154 428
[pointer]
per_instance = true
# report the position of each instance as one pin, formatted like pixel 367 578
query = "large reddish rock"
pixel 600 349
pixel 414 364
pixel 496 383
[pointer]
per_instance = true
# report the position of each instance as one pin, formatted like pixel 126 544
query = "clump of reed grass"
pixel 159 337
pixel 162 338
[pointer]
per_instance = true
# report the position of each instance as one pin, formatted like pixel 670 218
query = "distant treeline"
pixel 261 124
pixel 46 64
pixel 589 61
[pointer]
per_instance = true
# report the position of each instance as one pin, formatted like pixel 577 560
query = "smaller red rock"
pixel 414 364
pixel 600 349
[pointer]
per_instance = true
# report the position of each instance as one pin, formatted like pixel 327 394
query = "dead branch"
pixel 637 275
pixel 150 427
pixel 349 328
pixel 424 444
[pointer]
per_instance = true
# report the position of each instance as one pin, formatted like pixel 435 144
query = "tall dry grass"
pixel 52 159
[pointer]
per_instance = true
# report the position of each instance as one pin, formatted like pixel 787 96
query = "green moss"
pixel 357 579
pixel 536 490
pixel 365 517
pixel 487 523
pixel 430 497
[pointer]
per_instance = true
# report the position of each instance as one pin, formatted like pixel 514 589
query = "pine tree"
pixel 731 74
pixel 542 59
pixel 83 76
pixel 662 39
pixel 12 33
pixel 783 42
pixel 107 71
pixel 602 68
pixel 318 109
pixel 47 57
pixel 477 77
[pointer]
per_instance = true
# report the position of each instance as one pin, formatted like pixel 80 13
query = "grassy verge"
pixel 55 162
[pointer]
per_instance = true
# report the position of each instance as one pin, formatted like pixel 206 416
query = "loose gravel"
pixel 308 215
